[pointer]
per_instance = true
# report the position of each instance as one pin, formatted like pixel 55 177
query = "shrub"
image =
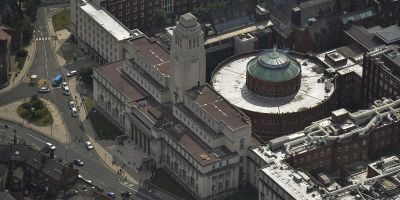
pixel 21 53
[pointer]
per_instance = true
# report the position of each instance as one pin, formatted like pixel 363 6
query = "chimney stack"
pixel 296 16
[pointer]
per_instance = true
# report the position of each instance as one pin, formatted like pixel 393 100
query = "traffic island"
pixel 61 20
pixel 34 111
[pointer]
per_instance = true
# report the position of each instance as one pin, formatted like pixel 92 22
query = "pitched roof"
pixel 6 196
pixel 5 36
pixel 4 4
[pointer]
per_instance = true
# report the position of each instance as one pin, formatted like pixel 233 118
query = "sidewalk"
pixel 57 132
pixel 58 38
pixel 17 78
pixel 105 155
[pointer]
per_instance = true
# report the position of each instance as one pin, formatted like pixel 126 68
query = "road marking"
pixel 42 38
pixel 35 137
pixel 93 182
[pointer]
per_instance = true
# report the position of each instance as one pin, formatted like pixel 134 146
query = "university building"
pixel 344 156
pixel 162 102
pixel 381 73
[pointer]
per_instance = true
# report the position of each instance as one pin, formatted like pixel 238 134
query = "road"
pixel 44 65
pixel 93 168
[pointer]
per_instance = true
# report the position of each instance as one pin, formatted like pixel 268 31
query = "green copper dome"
pixel 273 66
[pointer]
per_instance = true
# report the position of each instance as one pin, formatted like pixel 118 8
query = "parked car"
pixel 44 90
pixel 72 104
pixel 126 194
pixel 50 146
pixel 74 112
pixel 78 162
pixel 64 84
pixel 88 145
pixel 66 91
pixel 111 194
pixel 72 73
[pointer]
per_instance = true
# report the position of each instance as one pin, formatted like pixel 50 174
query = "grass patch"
pixel 104 128
pixel 250 193
pixel 61 19
pixel 89 103
pixel 40 116
pixel 164 181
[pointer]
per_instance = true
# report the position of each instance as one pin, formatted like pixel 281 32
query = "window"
pixel 242 143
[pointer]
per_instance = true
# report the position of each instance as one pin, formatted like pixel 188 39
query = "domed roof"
pixel 273 66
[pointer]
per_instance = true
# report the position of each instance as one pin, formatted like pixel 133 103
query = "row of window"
pixel 193 126
pixel 143 83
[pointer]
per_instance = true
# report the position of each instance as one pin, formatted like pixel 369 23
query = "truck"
pixel 57 80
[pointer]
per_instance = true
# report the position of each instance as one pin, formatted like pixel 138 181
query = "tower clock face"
pixel 195 59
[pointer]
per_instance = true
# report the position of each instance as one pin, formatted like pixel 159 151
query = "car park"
pixel 44 90
pixel 88 145
pixel 72 73
pixel 50 146
pixel 78 162
pixel 74 112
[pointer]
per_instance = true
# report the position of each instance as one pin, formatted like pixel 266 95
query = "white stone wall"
pixel 222 176
pixel 188 57
pixel 111 102
pixel 160 96
pixel 90 33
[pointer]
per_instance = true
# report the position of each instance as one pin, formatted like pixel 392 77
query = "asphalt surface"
pixel 44 65
pixel 93 168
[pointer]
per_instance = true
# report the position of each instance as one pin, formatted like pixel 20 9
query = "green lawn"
pixel 89 103
pixel 103 127
pixel 164 181
pixel 61 19
pixel 42 116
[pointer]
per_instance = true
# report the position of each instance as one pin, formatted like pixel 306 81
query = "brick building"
pixel 381 73
pixel 132 13
pixel 5 56
pixel 28 166
pixel 344 146
pixel 283 92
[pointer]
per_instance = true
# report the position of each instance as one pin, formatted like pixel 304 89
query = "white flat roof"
pixel 230 82
pixel 110 24
pixel 283 175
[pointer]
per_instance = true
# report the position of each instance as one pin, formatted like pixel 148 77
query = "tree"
pixel 86 75
pixel 26 28
pixel 159 19
pixel 31 7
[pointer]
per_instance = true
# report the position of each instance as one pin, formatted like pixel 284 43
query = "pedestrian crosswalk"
pixel 42 38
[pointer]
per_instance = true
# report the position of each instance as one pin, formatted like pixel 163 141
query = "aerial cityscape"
pixel 200 99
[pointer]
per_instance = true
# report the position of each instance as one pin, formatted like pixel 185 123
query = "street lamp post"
pixel 66 158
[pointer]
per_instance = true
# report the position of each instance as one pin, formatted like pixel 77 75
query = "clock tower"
pixel 188 56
